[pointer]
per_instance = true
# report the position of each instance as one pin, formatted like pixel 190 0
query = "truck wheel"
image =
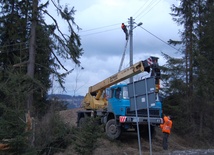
pixel 112 130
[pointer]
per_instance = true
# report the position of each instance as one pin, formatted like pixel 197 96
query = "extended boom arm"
pixel 139 67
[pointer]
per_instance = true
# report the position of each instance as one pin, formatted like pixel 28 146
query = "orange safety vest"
pixel 167 125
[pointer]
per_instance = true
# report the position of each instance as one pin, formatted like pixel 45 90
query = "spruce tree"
pixel 50 45
pixel 193 99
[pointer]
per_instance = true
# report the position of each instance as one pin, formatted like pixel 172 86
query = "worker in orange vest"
pixel 166 129
pixel 123 26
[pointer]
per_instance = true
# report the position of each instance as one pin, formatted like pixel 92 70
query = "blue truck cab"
pixel 119 105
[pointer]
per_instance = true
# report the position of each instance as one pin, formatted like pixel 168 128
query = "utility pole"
pixel 131 23
pixel 131 44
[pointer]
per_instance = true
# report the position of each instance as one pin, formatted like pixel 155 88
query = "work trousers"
pixel 165 141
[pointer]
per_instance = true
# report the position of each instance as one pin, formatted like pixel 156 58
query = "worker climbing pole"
pixel 123 26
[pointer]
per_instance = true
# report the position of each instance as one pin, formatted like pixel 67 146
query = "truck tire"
pixel 113 131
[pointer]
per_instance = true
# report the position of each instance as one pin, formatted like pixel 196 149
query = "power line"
pixel 82 33
pixel 140 26
pixel 140 8
pixel 160 39
pixel 99 28
pixel 149 8
pixel 99 32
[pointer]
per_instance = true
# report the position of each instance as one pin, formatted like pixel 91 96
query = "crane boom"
pixel 135 69
pixel 118 77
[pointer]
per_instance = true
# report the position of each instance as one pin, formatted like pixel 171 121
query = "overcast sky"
pixel 103 40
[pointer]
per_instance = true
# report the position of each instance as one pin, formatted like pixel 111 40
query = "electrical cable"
pixel 103 32
pixel 148 6
pixel 82 33
pixel 99 28
pixel 159 39
pixel 149 9
pixel 142 7
pixel 99 32
pixel 140 26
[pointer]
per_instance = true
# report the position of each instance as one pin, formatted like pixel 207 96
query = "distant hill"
pixel 70 101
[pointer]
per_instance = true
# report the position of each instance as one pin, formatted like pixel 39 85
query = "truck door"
pixel 117 101
pixel 118 93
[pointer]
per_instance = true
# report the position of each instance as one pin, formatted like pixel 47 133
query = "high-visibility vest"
pixel 167 125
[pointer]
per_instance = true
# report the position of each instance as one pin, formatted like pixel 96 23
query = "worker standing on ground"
pixel 123 26
pixel 166 129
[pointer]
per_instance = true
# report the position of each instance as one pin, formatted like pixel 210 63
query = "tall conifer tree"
pixel 196 98
pixel 50 46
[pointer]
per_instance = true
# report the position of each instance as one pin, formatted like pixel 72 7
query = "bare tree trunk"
pixel 32 51
pixel 31 63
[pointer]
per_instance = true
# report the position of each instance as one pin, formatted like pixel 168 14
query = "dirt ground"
pixel 129 142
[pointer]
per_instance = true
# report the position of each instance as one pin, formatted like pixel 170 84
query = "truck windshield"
pixel 125 93
pixel 120 93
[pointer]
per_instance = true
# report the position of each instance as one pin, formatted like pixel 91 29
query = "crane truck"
pixel 113 110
